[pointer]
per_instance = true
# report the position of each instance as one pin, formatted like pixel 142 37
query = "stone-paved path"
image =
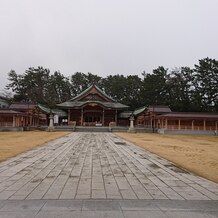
pixel 100 175
pixel 98 166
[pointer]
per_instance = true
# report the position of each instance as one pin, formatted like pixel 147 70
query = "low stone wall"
pixel 186 132
pixel 145 130
pixel 9 129
pixel 119 129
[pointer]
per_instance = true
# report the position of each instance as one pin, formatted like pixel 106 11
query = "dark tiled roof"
pixel 46 110
pixel 125 114
pixel 78 104
pixel 155 108
pixel 78 101
pixel 139 111
pixel 22 106
pixel 190 115
pixel 159 108
pixel 88 89
pixel 10 112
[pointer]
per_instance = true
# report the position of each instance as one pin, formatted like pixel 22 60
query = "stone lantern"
pixel 51 123
pixel 131 127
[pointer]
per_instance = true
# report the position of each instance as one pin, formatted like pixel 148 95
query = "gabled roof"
pixel 56 111
pixel 156 108
pixel 125 114
pixel 139 111
pixel 92 89
pixel 159 108
pixel 99 97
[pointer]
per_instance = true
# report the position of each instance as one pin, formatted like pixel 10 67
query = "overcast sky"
pixel 105 36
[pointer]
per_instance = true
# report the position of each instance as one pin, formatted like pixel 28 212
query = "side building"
pixel 161 118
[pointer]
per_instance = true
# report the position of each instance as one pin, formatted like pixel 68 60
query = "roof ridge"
pixel 88 89
pixel 104 93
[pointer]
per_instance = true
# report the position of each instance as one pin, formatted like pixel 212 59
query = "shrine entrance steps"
pixel 92 129
pixel 97 129
pixel 113 129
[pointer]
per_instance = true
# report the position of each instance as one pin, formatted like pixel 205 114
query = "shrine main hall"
pixel 93 107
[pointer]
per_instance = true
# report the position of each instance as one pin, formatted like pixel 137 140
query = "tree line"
pixel 182 89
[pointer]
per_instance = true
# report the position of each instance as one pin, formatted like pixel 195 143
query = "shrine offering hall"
pixel 93 108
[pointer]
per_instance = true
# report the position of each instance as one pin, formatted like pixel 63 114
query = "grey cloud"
pixel 105 37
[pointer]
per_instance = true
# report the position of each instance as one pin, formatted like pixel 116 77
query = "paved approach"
pixel 100 172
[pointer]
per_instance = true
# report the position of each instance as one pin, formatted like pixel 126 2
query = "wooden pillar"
pixel 158 124
pixel 204 124
pixel 22 121
pixel 82 117
pixel 193 124
pixel 166 124
pixel 37 117
pixel 179 125
pixel 14 120
pixel 30 120
pixel 68 118
pixel 103 117
pixel 144 120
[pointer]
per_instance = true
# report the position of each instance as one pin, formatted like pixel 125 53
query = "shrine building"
pixel 93 107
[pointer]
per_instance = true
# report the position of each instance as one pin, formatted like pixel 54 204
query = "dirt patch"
pixel 198 154
pixel 13 143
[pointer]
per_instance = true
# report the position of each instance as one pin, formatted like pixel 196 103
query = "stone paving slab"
pixel 98 166
pixel 100 175
pixel 109 208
